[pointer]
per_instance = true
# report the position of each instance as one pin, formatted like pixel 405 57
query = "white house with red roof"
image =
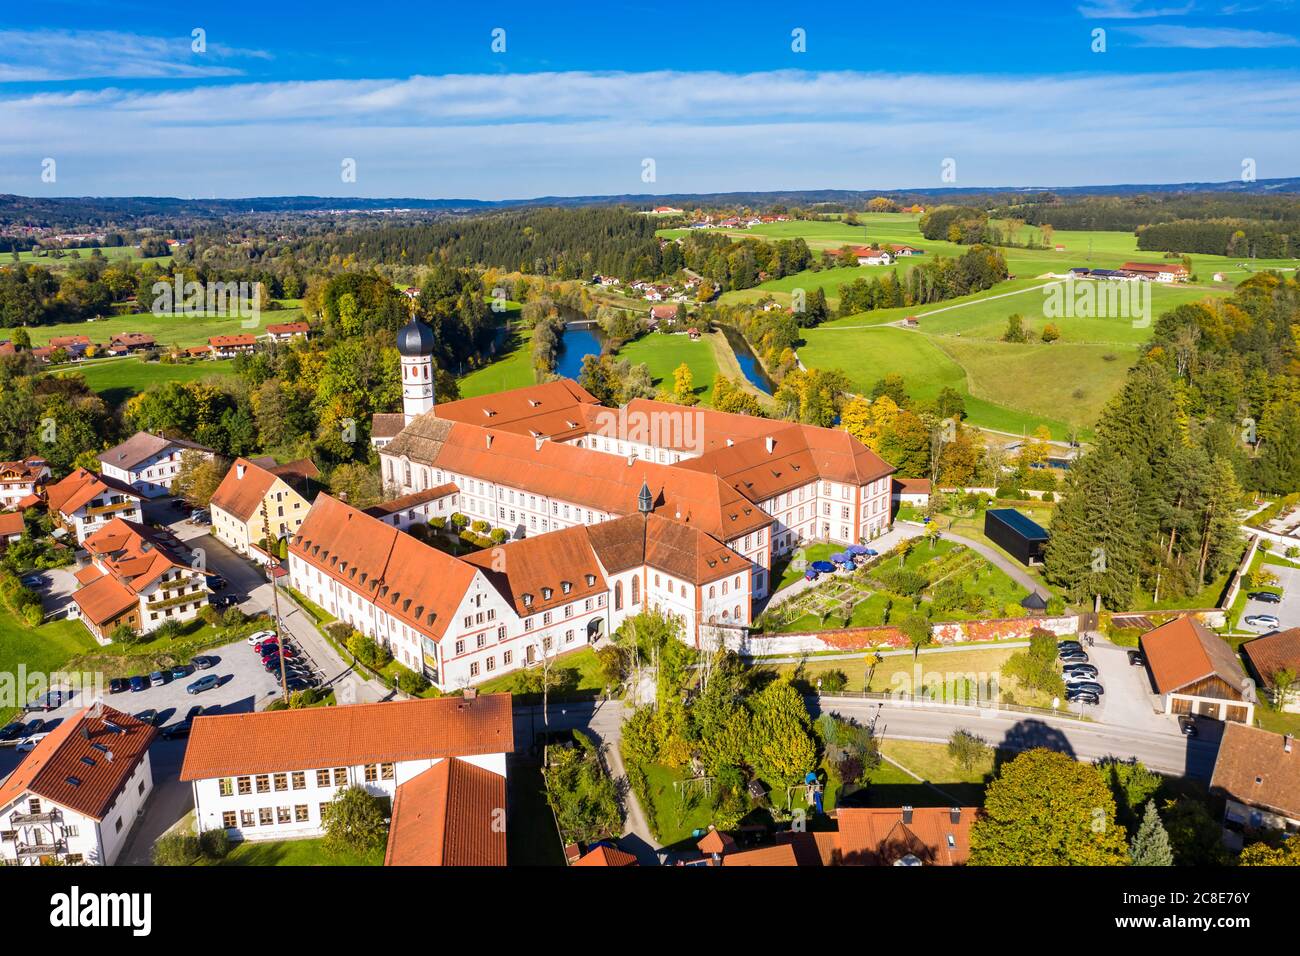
pixel 20 480
pixel 74 799
pixel 84 502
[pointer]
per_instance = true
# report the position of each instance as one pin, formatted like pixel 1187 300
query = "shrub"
pixel 215 843
pixel 480 526
pixel 123 634
pixel 410 682
pixel 233 617
pixel 459 521
pixel 1009 491
pixel 34 615
pixel 834 681
pixel 172 628
pixel 177 849
pixel 499 535
pixel 339 632
pixel 438 523
pixel 1049 496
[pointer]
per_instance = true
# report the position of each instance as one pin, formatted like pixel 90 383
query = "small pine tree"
pixel 1150 845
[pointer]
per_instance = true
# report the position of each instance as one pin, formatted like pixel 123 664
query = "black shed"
pixel 1021 537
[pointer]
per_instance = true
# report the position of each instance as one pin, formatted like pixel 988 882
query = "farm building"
pixel 1021 537
pixel 1196 672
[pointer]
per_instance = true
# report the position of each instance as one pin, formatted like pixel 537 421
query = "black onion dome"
pixel 415 339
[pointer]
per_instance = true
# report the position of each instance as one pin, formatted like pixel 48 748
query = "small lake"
pixel 749 363
pixel 577 342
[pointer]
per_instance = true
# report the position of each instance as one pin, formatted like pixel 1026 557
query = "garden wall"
pixel 863 638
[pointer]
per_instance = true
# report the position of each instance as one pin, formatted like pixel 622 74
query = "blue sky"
pixel 583 95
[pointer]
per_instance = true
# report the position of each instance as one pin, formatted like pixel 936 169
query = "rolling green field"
pixel 514 369
pixel 110 252
pixel 182 330
pixel 1009 387
pixel 663 353
pixel 116 380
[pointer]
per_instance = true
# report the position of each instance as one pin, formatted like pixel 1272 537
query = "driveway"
pixel 1288 612
pixel 56 592
pixel 1129 700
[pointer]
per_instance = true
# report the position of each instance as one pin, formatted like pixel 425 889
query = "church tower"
pixel 415 343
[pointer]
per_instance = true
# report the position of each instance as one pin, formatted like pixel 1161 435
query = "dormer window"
pixel 528 600
pixel 565 587
pixel 546 594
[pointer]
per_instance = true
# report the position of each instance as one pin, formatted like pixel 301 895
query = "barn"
pixel 1021 537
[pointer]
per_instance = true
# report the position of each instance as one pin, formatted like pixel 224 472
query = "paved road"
pixel 1166 751
pixel 1014 570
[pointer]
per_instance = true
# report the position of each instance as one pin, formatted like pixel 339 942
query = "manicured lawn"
pixel 676 821
pixel 957 672
pixel 590 683
pixel 298 853
pixel 1276 721
pixel 513 367
pixel 40 650
pixel 785 565
pixel 116 380
pixel 661 354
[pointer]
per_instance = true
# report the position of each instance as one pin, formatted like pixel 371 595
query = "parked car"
pixel 12 730
pixel 29 743
pixel 810 575
pixel 180 504
pixel 34 726
pixel 224 601
pixel 206 682
pixel 181 670
pixel 1080 695
pixel 1074 657
pixel 198 516
pixel 33 580
pixel 117 685
pixel 179 729
pixel 1090 686
pixel 203 662
pixel 1079 670
pixel 1268 597
pixel 139 683
pixel 1066 645
pixel 215 582
pixel 157 678
pixel 1136 659
pixel 257 637
pixel 193 712
pixel 50 700
pixel 149 716
pixel 270 644
pixel 299 683
pixel 1188 726
pixel 1263 622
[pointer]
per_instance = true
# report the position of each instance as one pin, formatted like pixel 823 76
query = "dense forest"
pixel 1220 237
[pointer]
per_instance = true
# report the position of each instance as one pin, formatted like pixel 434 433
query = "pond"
pixel 577 342
pixel 749 363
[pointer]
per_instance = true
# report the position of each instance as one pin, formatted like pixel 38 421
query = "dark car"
pixel 179 729
pixel 298 683
pixel 33 726
pixel 216 582
pixel 149 716
pixel 1074 657
pixel 1090 686
pixel 1188 726
pixel 50 701
pixel 1268 597
pixel 33 580
pixel 1084 696
pixel 203 662
pixel 224 601
pixel 139 683
pixel 1136 659
pixel 11 731
pixel 117 685
pixel 1080 670
pixel 193 712
pixel 181 670
pixel 1065 645
pixel 206 682
pixel 180 504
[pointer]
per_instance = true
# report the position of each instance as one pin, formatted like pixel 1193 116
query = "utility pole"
pixel 275 601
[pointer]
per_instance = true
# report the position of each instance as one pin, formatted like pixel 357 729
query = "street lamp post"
pixel 275 602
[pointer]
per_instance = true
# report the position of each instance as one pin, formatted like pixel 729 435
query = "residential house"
pixel 1157 271
pixel 75 797
pixel 12 527
pixel 287 331
pixel 868 256
pixel 269 775
pixel 1257 774
pixel 20 480
pixel 137 577
pixel 131 341
pixel 1196 672
pixel 1274 663
pixel 149 463
pixel 259 500
pixel 228 346
pixel 75 345
pixel 605 855
pixel 662 313
pixel 84 502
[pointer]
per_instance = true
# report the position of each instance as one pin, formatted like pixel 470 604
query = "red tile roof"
pixel 1254 768
pixel 540 568
pixel 1185 651
pixel 606 856
pixel 288 328
pixel 1267 655
pixel 782 854
pixel 347 736
pixel 72 752
pixel 541 408
pixel 242 496
pixel 226 341
pixel 880 837
pixel 449 815
pixel 408 579
pixel 412 500
pixel 80 487
pixel 11 523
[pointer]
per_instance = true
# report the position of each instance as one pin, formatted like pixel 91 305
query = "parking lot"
pixel 1288 612
pixel 1129 700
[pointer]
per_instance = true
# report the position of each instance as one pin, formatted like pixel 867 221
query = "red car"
pixel 263 647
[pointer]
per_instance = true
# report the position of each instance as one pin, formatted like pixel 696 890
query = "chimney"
pixel 954 815
pixel 488 439
pixel 771 444
pixel 239 470
pixel 85 730
pixel 730 442
pixel 907 814
pixel 1286 744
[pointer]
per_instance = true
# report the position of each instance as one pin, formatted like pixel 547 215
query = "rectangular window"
pixel 473 669
pixel 263 783
pixel 229 820
pixel 300 813
pixel 245 785
pixel 387 771
pixel 264 816
pixel 299 780
pixel 281 781
pixel 507 657
pixel 246 818
pixel 491 663
pixel 340 776
pixel 372 772
pixel 226 786
pixel 283 815
pixel 322 778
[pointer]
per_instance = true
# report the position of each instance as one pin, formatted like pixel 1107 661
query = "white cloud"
pixel 1129 10
pixel 1208 38
pixel 514 136
pixel 55 55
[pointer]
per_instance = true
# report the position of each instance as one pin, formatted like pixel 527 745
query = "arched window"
pixel 711 589
pixel 618 595
pixel 737 612
pixel 636 590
